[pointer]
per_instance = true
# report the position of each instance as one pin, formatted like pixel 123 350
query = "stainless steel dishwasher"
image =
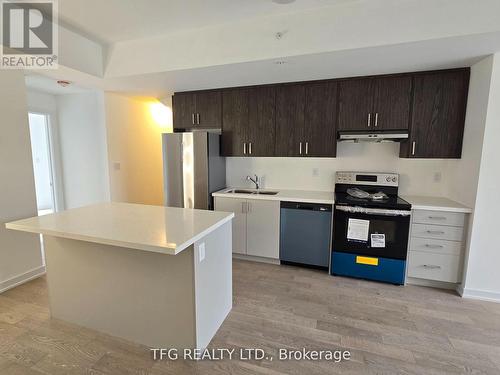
pixel 305 232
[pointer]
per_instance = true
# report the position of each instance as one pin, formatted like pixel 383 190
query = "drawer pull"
pixel 437 217
pixel 435 232
pixel 434 246
pixel 431 267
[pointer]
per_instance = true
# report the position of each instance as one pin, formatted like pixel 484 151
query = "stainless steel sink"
pixel 256 192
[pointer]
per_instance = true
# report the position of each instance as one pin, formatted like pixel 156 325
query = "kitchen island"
pixel 158 276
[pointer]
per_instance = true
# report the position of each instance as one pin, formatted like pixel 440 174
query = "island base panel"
pixel 145 297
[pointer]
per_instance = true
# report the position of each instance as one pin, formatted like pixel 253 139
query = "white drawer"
pixel 430 245
pixel 438 232
pixel 439 267
pixel 455 219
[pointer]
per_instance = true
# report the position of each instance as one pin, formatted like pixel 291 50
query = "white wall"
pixel 134 150
pixel 20 255
pixel 82 134
pixel 417 176
pixel 482 277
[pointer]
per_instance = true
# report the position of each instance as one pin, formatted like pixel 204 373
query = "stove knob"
pixel 394 179
pixel 388 179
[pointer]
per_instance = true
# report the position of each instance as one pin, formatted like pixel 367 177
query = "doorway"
pixel 42 162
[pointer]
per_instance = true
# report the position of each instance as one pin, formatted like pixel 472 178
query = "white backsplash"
pixel 417 176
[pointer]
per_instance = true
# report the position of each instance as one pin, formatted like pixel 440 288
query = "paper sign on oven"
pixel 378 240
pixel 357 230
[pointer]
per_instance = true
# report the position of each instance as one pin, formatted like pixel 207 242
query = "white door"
pixel 42 163
pixel 263 228
pixel 238 206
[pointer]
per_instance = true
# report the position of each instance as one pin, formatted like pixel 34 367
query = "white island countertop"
pixel 305 196
pixel 435 204
pixel 167 230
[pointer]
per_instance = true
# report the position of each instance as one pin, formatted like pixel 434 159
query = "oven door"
pixel 371 231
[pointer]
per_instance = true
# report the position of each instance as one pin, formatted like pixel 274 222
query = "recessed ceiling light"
pixel 283 1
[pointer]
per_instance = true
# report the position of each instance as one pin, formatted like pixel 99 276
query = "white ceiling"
pixel 111 21
pixel 408 57
pixel 49 85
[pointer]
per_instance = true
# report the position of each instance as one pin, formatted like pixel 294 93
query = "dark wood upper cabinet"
pixel 248 122
pixel 261 131
pixel 303 118
pixel 392 103
pixel 320 119
pixel 209 109
pixel 234 122
pixel 438 115
pixel 356 104
pixel 183 109
pixel 290 104
pixel 201 109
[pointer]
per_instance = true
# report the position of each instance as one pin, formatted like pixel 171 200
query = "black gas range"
pixel 371 227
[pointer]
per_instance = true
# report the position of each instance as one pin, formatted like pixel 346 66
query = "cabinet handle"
pixel 244 148
pixel 192 117
pixel 369 119
pixel 437 217
pixel 198 118
pixel 435 232
pixel 376 119
pixel 434 246
pixel 300 148
pixel 243 207
pixel 307 148
pixel 413 147
pixel 249 207
pixel 431 267
pixel 250 148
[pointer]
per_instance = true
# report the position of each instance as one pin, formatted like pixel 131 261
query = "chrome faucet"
pixel 254 180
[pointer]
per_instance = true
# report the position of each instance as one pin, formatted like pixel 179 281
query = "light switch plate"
pixel 201 251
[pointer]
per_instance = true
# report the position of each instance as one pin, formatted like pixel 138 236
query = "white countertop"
pixel 305 196
pixel 435 204
pixel 166 230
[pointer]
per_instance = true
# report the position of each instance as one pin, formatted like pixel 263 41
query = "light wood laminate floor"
pixel 388 330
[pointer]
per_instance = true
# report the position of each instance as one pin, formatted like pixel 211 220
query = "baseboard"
pixel 483 295
pixel 431 283
pixel 256 259
pixel 21 279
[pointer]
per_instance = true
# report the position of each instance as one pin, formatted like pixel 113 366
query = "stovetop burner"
pixel 375 190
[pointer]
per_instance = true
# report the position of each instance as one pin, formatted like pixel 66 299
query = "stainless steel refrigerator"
pixel 192 169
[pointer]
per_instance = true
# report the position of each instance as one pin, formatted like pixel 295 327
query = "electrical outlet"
pixel 315 172
pixel 117 166
pixel 201 251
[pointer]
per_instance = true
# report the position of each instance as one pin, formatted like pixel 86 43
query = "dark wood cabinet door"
pixel 290 102
pixel 234 122
pixel 438 117
pixel 356 104
pixel 261 132
pixel 209 109
pixel 183 109
pixel 320 119
pixel 392 103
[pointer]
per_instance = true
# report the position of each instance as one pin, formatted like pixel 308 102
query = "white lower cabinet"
pixel 256 225
pixel 436 246
pixel 239 222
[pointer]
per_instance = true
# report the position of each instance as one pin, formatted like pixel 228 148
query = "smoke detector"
pixel 63 83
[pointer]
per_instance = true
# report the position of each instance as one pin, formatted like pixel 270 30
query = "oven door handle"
pixel 373 211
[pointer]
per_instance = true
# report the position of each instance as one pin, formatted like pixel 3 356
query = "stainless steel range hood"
pixel 376 136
